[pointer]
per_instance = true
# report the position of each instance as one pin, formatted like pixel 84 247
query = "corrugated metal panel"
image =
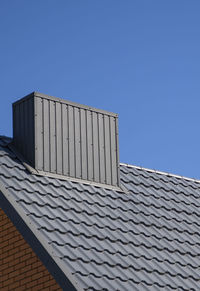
pixel 70 139
pixel 23 128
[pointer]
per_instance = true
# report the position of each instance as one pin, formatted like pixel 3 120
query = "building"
pixel 74 218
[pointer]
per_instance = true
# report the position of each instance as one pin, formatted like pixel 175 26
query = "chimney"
pixel 59 137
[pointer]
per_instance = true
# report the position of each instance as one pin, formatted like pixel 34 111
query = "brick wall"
pixel 20 268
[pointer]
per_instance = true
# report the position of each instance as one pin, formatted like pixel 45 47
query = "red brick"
pixel 31 284
pixel 19 265
pixel 14 285
pixel 5 288
pixel 36 276
pixel 14 274
pixel 36 264
pixel 14 262
pixel 5 268
pixel 21 269
pixel 39 288
pixel 21 288
pixel 4 244
pixel 8 282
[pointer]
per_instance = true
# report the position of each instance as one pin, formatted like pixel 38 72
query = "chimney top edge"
pixel 64 101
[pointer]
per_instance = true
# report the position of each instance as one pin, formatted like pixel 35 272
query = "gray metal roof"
pixel 145 239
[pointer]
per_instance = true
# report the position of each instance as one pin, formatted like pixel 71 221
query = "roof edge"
pixel 161 173
pixel 42 249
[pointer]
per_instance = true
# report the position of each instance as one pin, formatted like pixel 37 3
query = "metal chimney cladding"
pixel 61 137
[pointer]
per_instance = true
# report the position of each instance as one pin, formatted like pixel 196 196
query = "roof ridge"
pixel 161 172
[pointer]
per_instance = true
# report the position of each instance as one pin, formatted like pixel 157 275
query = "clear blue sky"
pixel 140 59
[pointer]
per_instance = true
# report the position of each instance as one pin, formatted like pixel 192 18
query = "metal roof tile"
pixel 147 239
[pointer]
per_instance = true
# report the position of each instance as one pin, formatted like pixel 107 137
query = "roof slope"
pixel 146 239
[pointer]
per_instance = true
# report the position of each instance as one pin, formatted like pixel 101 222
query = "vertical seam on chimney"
pixel 81 171
pixel 93 155
pixel 21 128
pixel 111 174
pixel 98 146
pixel 43 167
pixel 35 134
pixel 62 128
pixel 55 139
pixel 74 141
pixel 104 135
pixel 86 143
pixel 116 150
pixel 49 135
pixel 68 140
